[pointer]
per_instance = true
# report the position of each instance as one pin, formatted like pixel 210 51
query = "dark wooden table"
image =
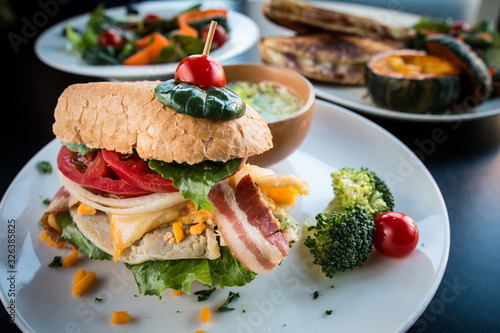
pixel 463 158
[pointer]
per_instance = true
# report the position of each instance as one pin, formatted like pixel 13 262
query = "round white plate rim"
pixel 73 65
pixel 398 115
pixel 321 107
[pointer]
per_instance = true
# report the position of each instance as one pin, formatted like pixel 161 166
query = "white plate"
pixel 389 294
pixel 357 98
pixel 50 47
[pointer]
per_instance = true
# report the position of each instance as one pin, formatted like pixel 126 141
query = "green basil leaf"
pixel 195 181
pixel 200 102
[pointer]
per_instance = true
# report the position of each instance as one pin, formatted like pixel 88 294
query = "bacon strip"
pixel 247 225
pixel 62 201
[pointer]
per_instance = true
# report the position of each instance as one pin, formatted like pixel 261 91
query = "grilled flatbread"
pixel 304 17
pixel 334 58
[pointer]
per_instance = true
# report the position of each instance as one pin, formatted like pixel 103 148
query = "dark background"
pixel 465 162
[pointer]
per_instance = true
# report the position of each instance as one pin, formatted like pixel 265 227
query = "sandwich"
pixel 329 45
pixel 166 193
pixel 327 57
pixel 304 17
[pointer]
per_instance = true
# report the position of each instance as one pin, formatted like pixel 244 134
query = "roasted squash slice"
pixel 412 81
pixel 477 83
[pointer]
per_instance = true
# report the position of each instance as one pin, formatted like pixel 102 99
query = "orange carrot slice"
pixel 149 53
pixel 196 15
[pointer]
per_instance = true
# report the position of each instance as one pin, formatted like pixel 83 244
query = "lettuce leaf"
pixel 195 181
pixel 78 147
pixel 154 277
pixel 72 234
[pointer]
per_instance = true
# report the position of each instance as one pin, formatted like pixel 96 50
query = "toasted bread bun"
pixel 125 116
pixel 335 58
pixel 303 17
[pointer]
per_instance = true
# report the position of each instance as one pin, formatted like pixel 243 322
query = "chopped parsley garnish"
pixel 316 294
pixel 56 262
pixel 44 167
pixel 203 295
pixel 98 300
pixel 328 312
pixel 46 201
pixel 231 297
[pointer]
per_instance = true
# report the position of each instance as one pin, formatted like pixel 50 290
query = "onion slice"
pixel 128 206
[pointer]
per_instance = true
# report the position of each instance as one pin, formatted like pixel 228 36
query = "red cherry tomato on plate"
pixel 91 171
pixel 110 37
pixel 220 35
pixel 201 70
pixel 135 171
pixel 396 234
pixel 152 17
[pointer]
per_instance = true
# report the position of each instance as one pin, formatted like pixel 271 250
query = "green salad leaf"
pixel 78 148
pixel 195 181
pixel 154 277
pixel 72 234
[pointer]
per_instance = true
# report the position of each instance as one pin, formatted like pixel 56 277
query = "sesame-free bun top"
pixel 124 116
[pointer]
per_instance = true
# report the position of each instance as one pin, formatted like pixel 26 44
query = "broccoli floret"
pixel 342 240
pixel 360 187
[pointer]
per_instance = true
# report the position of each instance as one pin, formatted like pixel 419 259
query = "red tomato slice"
pixel 135 171
pixel 201 70
pixel 91 171
pixel 110 37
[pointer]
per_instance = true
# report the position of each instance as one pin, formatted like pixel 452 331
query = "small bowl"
pixel 289 132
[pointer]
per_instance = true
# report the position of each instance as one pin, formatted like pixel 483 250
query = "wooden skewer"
pixel 210 36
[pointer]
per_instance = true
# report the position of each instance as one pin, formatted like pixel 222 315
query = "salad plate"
pixel 389 294
pixel 51 46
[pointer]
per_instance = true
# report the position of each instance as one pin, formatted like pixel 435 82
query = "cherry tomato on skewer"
pixel 201 70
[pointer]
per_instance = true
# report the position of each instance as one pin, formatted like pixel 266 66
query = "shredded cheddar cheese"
pixel 84 209
pixel 178 232
pixel 70 260
pixel 80 273
pixel 84 283
pixel 205 314
pixel 197 228
pixel 177 292
pixel 120 317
